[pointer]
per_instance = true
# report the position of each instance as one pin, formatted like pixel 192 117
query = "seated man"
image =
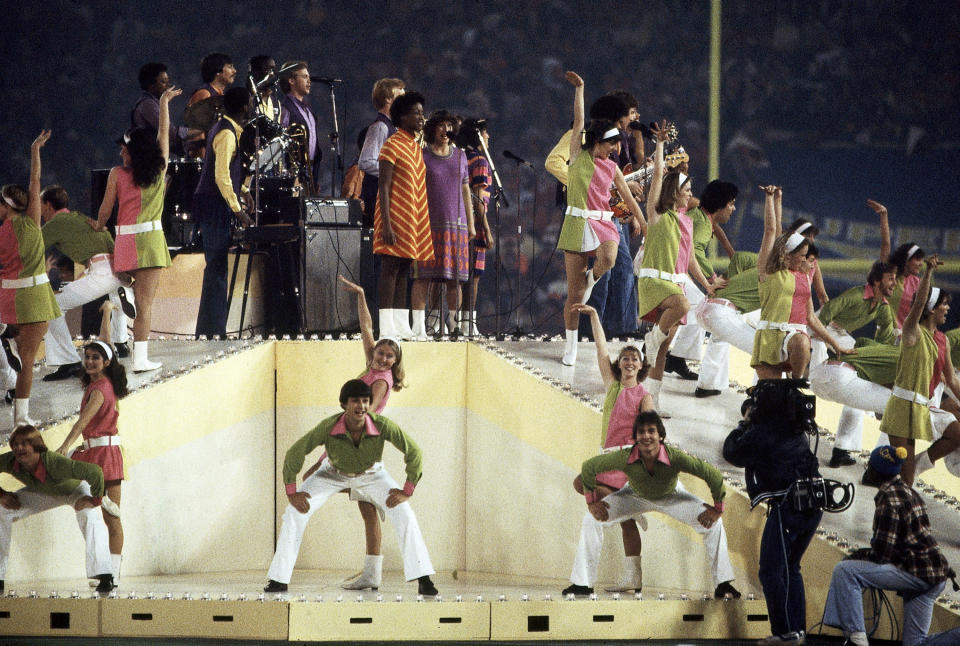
pixel 52 480
pixel 72 233
pixel 354 443
pixel 903 556
pixel 652 469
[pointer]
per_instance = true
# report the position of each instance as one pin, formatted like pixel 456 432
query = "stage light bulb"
pixel 524 597
pixel 242 597
pixel 339 598
pixel 616 596
pixel 419 598
pixel 660 597
pixel 224 597
pixel 398 598
pixel 593 596
pixel 168 596
pixel 379 598
pixel 638 596
pixel 502 598
pixel 359 598
pixel 548 597
pixel 479 598
pixel 459 598
pixel 319 598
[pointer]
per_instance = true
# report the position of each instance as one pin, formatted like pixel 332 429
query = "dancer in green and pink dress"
pixel 587 224
pixel 26 299
pixel 140 247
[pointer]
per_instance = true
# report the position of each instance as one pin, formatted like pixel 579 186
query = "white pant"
pixel 90 521
pixel 325 482
pixel 681 505
pixel 725 324
pixel 99 280
pixel 688 343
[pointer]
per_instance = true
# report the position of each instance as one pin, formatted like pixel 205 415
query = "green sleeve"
pixel 613 461
pixel 829 311
pixel 63 468
pixel 703 470
pixel 412 456
pixel 884 322
pixel 296 454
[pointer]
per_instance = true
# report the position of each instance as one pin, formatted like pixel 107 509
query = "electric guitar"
pixel 644 176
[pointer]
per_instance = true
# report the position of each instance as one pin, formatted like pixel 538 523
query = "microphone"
pixel 265 81
pixel 519 160
pixel 325 79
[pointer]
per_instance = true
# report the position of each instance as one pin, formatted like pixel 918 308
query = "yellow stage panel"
pixel 201 619
pixel 627 619
pixel 371 621
pixel 50 617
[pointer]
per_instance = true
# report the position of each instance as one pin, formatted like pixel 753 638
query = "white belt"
pixel 29 281
pixel 106 440
pixel 377 466
pixel 140 227
pixel 589 214
pixel 611 449
pixel 101 257
pixel 911 396
pixel 679 279
pixel 783 327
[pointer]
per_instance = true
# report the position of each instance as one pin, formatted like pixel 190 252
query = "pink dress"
pixel 620 409
pixel 103 424
pixel 372 376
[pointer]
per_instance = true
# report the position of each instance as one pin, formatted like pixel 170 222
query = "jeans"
pixel 785 538
pixel 213 219
pixel 844 607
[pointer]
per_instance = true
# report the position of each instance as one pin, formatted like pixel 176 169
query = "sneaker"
pixel 275 586
pixel 726 591
pixel 577 590
pixel 795 639
pixel 840 458
pixel 123 350
pixel 705 392
pixel 678 366
pixel 426 588
pixel 127 305
pixel 66 371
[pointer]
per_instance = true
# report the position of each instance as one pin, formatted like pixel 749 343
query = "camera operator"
pixel 770 443
pixel 903 556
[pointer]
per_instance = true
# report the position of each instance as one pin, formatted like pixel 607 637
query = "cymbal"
pixel 203 114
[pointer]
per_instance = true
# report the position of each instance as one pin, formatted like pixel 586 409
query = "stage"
pixel 503 426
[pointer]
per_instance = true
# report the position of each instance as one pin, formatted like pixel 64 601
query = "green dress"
pixel 910 419
pixel 660 252
pixel 782 296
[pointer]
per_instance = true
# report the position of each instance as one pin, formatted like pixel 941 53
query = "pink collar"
pixel 868 293
pixel 40 473
pixel 635 455
pixel 340 428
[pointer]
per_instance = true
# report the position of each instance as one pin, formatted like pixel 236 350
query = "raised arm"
pixel 163 133
pixel 778 207
pixel 363 313
pixel 599 340
pixel 656 183
pixel 911 323
pixel 574 79
pixel 771 229
pixel 33 205
pixel 884 228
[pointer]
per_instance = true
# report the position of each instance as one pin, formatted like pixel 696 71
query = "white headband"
pixel 106 349
pixel 794 241
pixel 803 227
pixel 914 249
pixel 683 179
pixel 610 134
pixel 934 297
pixel 10 202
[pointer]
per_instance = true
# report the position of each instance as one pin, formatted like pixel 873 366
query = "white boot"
pixel 419 328
pixel 386 323
pixel 653 387
pixel 370 577
pixel 652 342
pixel 591 281
pixel 570 348
pixel 922 463
pixel 631 578
pixel 140 361
pixel 473 322
pixel 116 559
pixel 401 323
pixel 21 413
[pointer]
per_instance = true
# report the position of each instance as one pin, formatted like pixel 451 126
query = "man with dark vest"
pixel 216 202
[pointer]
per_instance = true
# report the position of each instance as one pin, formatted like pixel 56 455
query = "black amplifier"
pixel 327 211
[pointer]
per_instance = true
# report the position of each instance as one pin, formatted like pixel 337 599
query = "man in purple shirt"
pixel 295 84
pixel 154 79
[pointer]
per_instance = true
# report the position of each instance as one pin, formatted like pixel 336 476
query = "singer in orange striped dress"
pixel 401 224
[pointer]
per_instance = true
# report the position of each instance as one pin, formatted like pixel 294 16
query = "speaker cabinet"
pixel 330 251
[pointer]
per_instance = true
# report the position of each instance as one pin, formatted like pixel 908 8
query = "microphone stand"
pixel 518 162
pixel 257 112
pixel 497 195
pixel 336 160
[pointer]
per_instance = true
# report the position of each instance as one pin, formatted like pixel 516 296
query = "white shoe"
pixel 369 578
pixel 401 324
pixel 140 361
pixel 21 413
pixel 570 348
pixel 631 579
pixel 117 559
pixel 652 342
